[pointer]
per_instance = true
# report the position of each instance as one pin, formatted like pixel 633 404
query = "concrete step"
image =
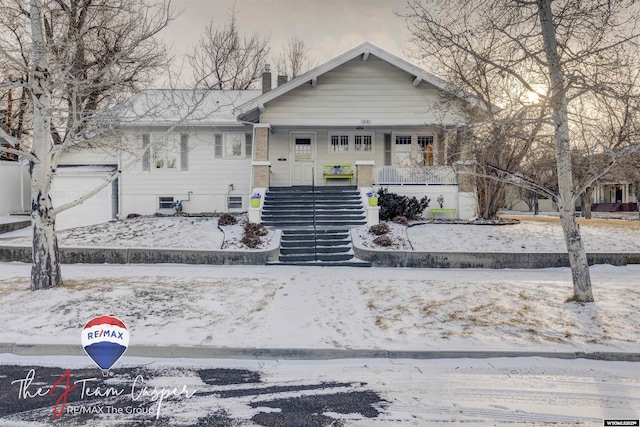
pixel 311 250
pixel 316 257
pixel 350 263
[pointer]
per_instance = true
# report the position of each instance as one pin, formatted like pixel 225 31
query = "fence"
pixel 434 175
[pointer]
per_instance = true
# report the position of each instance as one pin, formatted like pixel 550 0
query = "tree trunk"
pixel 586 203
pixel 45 267
pixel 566 203
pixel 636 193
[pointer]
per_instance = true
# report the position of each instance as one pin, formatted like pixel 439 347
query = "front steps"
pixel 293 207
pixel 323 241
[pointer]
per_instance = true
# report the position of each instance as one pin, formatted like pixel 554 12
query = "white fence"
pixel 391 175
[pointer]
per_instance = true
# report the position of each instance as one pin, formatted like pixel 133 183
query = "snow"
pixel 171 232
pixel 476 392
pixel 341 307
pixel 357 308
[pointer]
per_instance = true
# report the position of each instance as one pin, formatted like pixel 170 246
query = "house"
pixel 379 119
pixel 14 191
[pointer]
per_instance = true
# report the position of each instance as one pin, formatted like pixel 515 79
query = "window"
pixel 425 143
pixel 234 202
pixel 363 143
pixel 234 145
pixel 165 150
pixel 403 149
pixel 165 202
pixel 339 142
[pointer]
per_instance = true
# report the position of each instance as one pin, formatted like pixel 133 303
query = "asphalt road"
pixel 364 392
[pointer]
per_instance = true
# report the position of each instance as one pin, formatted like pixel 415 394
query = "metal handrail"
pixel 315 229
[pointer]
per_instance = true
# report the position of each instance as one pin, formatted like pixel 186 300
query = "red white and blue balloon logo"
pixel 105 339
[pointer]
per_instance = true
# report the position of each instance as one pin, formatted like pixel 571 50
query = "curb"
pixel 202 352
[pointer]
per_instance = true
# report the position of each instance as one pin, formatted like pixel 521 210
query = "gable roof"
pixel 363 50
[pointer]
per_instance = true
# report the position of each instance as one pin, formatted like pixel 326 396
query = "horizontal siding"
pixel 207 175
pixel 359 90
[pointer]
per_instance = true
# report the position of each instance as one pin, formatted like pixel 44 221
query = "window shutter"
pixel 248 146
pixel 184 152
pixel 146 157
pixel 387 149
pixel 218 146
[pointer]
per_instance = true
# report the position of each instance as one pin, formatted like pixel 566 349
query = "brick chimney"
pixel 266 78
pixel 282 79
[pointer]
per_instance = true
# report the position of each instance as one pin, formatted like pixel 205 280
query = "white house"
pixel 377 115
pixel 14 191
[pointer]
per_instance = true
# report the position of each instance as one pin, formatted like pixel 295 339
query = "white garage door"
pixel 73 182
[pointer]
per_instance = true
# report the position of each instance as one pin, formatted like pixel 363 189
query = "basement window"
pixel 234 202
pixel 165 202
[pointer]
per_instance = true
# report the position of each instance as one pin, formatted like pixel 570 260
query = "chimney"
pixel 282 79
pixel 266 78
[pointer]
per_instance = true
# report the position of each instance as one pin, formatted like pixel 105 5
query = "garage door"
pixel 70 183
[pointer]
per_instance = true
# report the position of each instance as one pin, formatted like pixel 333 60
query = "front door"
pixel 303 160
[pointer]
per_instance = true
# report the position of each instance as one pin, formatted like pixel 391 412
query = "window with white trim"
pixel 165 151
pixel 165 202
pixel 363 143
pixel 234 202
pixel 425 144
pixel 234 146
pixel 403 149
pixel 339 142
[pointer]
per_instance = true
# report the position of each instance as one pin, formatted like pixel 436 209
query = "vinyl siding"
pixel 207 177
pixel 359 90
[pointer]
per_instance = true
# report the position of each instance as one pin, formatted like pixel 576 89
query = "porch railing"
pixel 396 175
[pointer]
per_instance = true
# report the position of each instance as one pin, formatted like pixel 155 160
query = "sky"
pixel 328 27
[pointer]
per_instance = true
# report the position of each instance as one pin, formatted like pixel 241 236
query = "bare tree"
pixel 75 59
pixel 226 59
pixel 295 59
pixel 559 50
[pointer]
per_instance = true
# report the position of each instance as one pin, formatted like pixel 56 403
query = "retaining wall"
pixel 146 256
pixel 485 260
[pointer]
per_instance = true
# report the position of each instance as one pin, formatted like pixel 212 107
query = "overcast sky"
pixel 328 27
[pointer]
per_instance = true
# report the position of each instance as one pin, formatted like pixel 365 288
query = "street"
pixel 65 390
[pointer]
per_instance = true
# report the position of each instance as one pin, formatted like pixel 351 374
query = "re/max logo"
pixel 622 423
pixel 105 333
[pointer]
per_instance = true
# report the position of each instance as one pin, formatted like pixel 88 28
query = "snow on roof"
pixel 183 107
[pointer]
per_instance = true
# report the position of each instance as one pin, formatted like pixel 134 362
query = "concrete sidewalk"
pixel 206 352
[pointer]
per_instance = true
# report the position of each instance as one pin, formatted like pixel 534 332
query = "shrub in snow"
pixel 227 219
pixel 133 215
pixel 252 233
pixel 393 205
pixel 379 229
pixel 383 241
pixel 257 229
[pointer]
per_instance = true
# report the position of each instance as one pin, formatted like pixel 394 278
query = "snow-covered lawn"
pixel 528 236
pixel 173 232
pixel 315 307
pixel 542 234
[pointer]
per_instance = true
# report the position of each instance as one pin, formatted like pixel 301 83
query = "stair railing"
pixel 313 210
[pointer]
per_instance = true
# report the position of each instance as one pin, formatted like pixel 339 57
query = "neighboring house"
pixel 365 108
pixel 14 190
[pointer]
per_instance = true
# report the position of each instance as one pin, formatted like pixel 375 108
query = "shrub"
pixel 227 219
pixel 252 233
pixel 393 205
pixel 133 215
pixel 379 229
pixel 383 241
pixel 257 229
